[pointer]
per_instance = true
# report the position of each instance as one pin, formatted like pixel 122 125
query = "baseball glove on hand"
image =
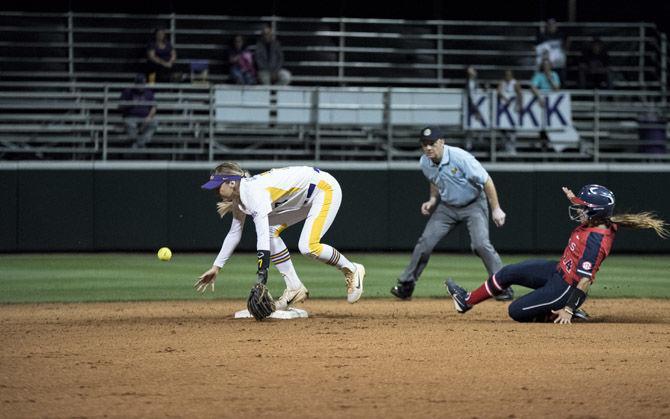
pixel 260 303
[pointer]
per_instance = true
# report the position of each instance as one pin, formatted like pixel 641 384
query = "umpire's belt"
pixel 465 205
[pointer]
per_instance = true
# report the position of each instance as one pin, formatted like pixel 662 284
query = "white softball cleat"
pixel 291 297
pixel 354 280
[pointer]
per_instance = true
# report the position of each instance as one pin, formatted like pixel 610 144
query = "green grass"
pixel 34 278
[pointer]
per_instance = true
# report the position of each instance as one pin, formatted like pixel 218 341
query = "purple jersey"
pixel 164 53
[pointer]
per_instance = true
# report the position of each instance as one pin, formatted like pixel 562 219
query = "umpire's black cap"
pixel 430 134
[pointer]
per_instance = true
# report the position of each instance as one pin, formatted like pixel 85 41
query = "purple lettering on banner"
pixel 554 109
pixel 503 108
pixel 526 110
pixel 476 106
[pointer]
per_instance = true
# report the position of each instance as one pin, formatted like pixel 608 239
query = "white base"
pixel 290 313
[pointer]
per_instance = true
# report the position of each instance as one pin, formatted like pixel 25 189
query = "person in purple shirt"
pixel 161 56
pixel 139 112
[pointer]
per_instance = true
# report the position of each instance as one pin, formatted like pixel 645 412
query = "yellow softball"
pixel 164 254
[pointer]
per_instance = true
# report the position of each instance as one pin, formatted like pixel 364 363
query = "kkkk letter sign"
pixel 551 112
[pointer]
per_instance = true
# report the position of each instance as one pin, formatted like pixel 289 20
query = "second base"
pixel 290 313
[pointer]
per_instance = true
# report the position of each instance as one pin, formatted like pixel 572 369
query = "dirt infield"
pixel 378 358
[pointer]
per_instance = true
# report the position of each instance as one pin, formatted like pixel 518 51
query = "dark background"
pixel 653 11
pixel 31 225
pixel 103 210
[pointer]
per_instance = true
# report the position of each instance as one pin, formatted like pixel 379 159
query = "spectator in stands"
pixel 471 90
pixel 161 56
pixel 241 60
pixel 545 80
pixel 139 112
pixel 270 59
pixel 551 42
pixel 510 90
pixel 594 66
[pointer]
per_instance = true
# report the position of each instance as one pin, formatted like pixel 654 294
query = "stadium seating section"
pixel 61 76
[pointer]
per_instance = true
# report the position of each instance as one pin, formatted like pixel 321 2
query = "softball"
pixel 164 254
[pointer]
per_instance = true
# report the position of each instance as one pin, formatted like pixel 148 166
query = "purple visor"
pixel 215 181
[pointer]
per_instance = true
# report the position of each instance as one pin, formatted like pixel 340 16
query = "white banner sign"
pixel 551 112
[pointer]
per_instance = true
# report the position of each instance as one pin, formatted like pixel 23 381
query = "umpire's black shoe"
pixel 403 290
pixel 507 295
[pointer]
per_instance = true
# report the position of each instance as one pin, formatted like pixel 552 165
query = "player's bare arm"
pixel 568 193
pixel 497 214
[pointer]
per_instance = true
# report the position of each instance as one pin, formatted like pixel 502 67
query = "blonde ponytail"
pixel 228 168
pixel 643 220
pixel 224 207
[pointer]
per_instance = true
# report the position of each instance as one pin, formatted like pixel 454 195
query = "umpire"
pixel 459 187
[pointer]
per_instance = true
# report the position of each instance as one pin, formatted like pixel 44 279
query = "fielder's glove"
pixel 260 303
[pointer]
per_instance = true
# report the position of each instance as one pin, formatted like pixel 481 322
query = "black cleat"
pixel 581 315
pixel 403 290
pixel 458 294
pixel 507 295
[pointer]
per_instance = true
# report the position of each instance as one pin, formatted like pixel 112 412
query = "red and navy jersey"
pixel 586 250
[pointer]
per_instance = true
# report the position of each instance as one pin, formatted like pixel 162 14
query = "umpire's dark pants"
pixel 441 222
pixel 551 290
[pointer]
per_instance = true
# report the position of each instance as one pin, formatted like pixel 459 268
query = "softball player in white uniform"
pixel 276 200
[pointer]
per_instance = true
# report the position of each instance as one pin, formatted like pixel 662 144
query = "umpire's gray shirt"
pixel 459 177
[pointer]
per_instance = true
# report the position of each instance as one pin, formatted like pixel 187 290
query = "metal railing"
pixel 82 121
pixel 324 51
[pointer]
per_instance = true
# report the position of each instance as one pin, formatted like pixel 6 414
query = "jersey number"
pixel 567 264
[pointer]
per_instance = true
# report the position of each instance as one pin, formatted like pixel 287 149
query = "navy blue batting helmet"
pixel 596 201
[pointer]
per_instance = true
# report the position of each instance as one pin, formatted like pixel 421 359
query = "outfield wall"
pixel 124 207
